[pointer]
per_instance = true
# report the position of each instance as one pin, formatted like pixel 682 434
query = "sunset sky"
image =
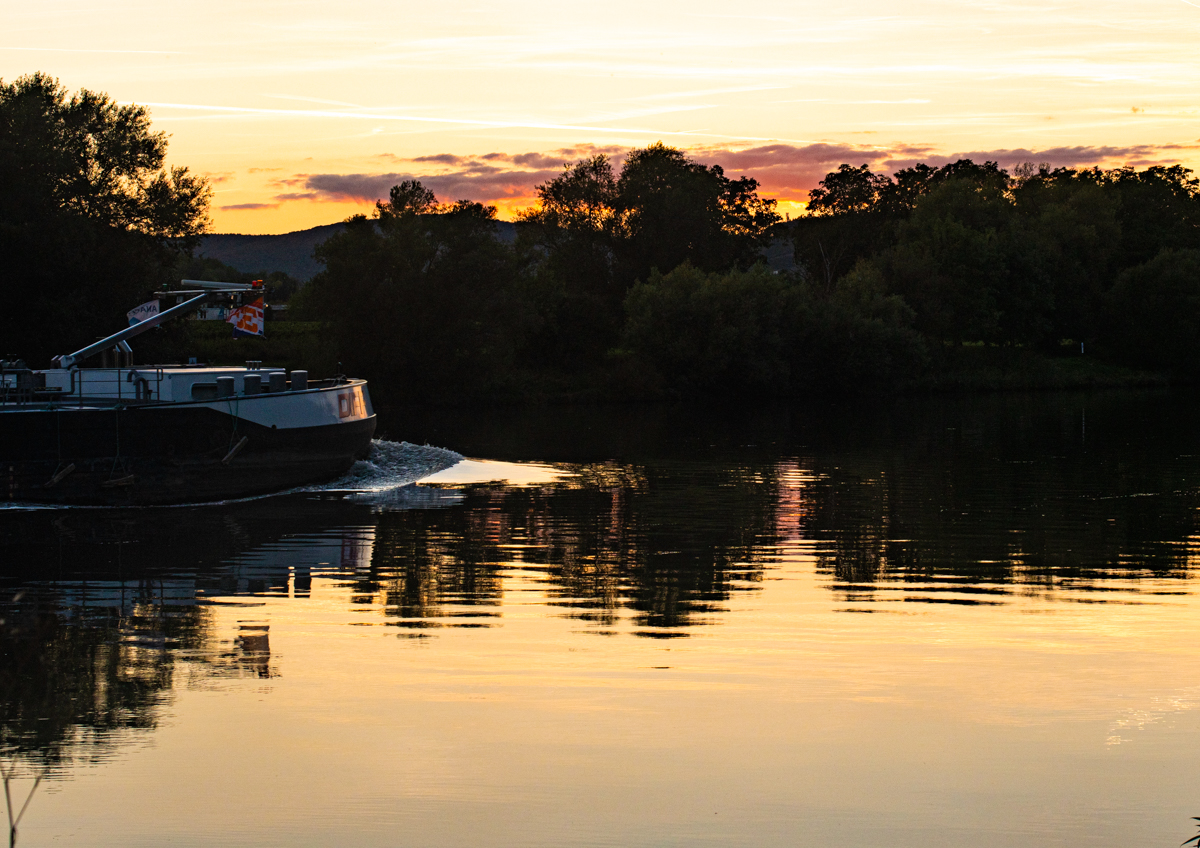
pixel 302 113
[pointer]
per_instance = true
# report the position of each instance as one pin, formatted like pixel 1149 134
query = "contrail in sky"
pixel 95 50
pixel 374 116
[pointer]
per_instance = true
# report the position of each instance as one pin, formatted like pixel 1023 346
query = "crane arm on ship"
pixel 69 359
pixel 211 290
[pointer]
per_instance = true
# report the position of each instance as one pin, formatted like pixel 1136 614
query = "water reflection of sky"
pixel 491 471
pixel 930 644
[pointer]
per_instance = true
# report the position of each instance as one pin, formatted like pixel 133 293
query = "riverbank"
pixel 965 369
pixel 997 369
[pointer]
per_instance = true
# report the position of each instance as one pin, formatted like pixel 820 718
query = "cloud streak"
pixel 95 50
pixel 783 170
pixel 488 177
pixel 793 170
pixel 488 184
pixel 517 123
pixel 1079 156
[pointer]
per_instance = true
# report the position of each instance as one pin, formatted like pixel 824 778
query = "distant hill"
pixel 292 253
pixel 779 255
pixel 289 252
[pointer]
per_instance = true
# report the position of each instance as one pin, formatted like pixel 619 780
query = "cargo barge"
pixel 121 434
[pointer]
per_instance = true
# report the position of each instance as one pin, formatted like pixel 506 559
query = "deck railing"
pixel 106 386
pixel 103 386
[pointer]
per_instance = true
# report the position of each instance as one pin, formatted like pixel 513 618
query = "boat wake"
pixel 384 478
pixel 390 465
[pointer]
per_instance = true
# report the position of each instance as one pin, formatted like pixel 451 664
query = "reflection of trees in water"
pixel 1001 526
pixel 103 614
pixel 669 545
pixel 965 505
pixel 83 665
pixel 75 677
pixel 1005 497
pixel 97 610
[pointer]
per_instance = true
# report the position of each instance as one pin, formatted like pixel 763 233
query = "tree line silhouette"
pixel 649 282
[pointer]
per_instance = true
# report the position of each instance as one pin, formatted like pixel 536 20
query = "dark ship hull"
pixel 123 455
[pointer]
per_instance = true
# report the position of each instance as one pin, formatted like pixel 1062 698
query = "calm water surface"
pixel 944 622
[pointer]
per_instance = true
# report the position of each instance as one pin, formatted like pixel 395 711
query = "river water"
pixel 964 621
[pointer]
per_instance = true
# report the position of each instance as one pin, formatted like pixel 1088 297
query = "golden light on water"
pixel 486 724
pixel 875 632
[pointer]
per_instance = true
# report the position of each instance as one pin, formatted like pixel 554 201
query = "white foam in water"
pixel 386 477
pixel 391 465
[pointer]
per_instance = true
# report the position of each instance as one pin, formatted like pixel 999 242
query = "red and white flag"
pixel 247 320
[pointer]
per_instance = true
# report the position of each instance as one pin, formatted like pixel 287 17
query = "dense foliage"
pixel 760 333
pixel 600 233
pixel 90 219
pixel 1037 258
pixel 422 296
pixel 426 298
pixel 650 282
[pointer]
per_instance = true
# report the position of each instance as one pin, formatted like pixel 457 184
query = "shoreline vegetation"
pixel 970 369
pixel 647 283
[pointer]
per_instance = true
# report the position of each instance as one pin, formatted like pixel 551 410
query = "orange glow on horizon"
pixel 300 113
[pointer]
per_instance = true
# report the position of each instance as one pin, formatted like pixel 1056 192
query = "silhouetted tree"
pixel 576 287
pixel 408 198
pixel 1157 208
pixel 846 221
pixel 1062 245
pixel 708 332
pixel 89 217
pixel 847 191
pixel 422 297
pixel 674 210
pixel 600 233
pixel 948 261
